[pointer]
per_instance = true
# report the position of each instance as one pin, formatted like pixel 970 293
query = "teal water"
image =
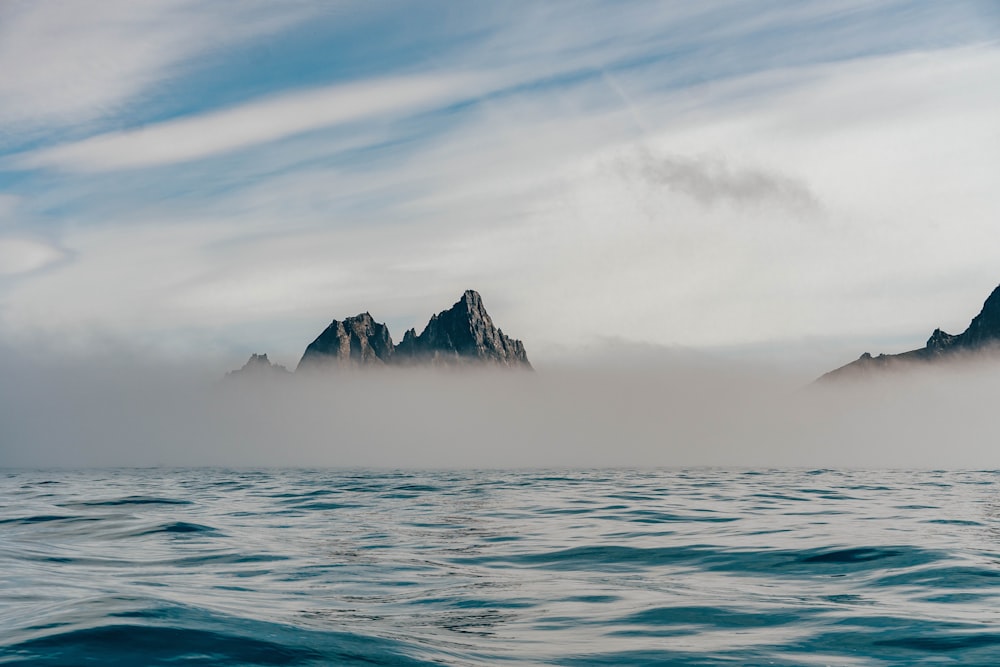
pixel 317 567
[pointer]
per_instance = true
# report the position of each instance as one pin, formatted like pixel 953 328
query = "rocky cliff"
pixel 355 341
pixel 983 333
pixel 462 335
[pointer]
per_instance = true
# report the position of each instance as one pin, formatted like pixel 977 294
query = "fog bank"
pixel 674 415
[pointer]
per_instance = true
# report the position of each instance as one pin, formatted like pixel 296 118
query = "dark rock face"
pixel 355 341
pixel 258 365
pixel 463 334
pixel 985 327
pixel 982 334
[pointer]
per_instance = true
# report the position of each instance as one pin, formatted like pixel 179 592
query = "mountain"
pixel 982 334
pixel 355 341
pixel 462 335
pixel 258 365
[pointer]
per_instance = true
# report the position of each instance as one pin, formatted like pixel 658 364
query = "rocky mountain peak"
pixel 985 327
pixel 982 333
pixel 258 364
pixel 462 334
pixel 358 340
pixel 940 341
pixel 472 301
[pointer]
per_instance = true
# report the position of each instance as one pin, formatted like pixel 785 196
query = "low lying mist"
pixel 674 415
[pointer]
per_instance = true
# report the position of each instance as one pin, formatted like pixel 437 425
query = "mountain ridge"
pixel 463 335
pixel 982 334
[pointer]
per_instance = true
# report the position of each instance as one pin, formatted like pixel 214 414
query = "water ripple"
pixel 599 567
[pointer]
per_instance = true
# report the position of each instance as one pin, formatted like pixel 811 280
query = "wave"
pixel 766 562
pixel 292 567
pixel 169 635
pixel 129 500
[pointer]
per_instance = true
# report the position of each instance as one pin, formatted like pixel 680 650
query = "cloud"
pixel 217 132
pixel 113 411
pixel 8 204
pixel 20 255
pixel 518 202
pixel 511 193
pixel 63 63
pixel 713 181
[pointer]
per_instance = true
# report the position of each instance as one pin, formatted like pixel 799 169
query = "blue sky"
pixel 208 179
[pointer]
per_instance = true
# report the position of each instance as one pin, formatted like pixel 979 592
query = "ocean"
pixel 543 567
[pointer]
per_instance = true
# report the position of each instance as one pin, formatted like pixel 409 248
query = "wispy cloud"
pixel 63 63
pixel 21 255
pixel 475 152
pixel 519 203
pixel 208 135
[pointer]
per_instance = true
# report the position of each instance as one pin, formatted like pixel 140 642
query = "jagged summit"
pixel 982 333
pixel 258 364
pixel 463 333
pixel 985 327
pixel 358 340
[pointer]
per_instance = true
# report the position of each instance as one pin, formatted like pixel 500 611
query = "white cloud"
pixel 65 62
pixel 527 201
pixel 217 132
pixel 19 255
pixel 908 232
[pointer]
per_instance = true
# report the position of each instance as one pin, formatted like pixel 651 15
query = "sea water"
pixel 599 567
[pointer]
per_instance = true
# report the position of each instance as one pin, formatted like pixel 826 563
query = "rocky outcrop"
pixel 463 334
pixel 982 334
pixel 258 365
pixel 355 341
pixel 984 330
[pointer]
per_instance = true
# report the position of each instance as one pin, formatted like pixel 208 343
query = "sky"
pixel 767 180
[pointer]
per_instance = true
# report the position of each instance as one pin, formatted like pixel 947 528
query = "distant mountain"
pixel 982 334
pixel 358 340
pixel 258 365
pixel 463 335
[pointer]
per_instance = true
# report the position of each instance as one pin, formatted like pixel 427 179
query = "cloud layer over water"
pixel 683 413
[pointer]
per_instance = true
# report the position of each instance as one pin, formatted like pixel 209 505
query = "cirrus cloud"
pixel 22 255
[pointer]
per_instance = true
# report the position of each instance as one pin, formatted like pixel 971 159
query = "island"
pixel 463 335
pixel 982 335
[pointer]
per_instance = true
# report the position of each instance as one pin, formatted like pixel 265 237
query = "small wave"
pixel 653 516
pixel 177 527
pixel 856 555
pixel 749 562
pixel 130 500
pixel 420 488
pixel 943 644
pixel 151 645
pixel 714 617
pixel 946 577
pixel 44 518
pixel 173 634
pixel 324 506
pixel 129 644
